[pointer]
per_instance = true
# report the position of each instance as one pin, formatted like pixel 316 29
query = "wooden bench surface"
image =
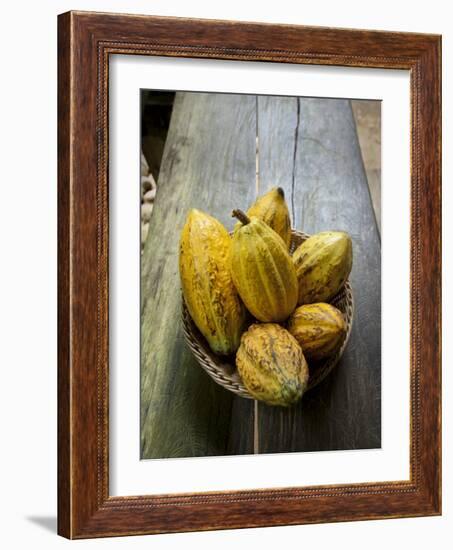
pixel 310 148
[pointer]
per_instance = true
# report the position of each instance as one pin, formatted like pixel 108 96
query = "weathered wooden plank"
pixel 277 126
pixel 322 173
pixel 208 163
pixel 367 116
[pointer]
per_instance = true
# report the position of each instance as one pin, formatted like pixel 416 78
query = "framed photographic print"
pixel 249 275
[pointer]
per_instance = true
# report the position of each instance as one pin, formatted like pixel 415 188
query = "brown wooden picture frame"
pixel 85 42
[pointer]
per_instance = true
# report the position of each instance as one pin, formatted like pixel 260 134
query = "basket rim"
pixel 223 369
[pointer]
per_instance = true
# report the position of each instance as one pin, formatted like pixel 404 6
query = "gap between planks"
pixel 256 438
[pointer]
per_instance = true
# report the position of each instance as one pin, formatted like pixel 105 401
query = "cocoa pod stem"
pixel 241 216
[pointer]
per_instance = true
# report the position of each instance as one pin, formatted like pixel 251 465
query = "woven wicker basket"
pixel 223 369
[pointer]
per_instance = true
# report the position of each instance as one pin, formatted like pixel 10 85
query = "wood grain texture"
pixel 86 40
pixel 184 413
pixel 64 309
pixel 310 148
pixel 367 115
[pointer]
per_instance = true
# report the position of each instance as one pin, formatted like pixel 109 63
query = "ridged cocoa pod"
pixel 207 286
pixel 318 328
pixel 323 263
pixel 272 365
pixel 272 209
pixel 262 270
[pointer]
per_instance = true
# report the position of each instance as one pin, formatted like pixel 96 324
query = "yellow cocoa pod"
pixel 207 286
pixel 262 270
pixel 273 210
pixel 323 263
pixel 272 365
pixel 318 328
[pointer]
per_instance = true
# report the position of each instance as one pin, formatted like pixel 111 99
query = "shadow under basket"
pixel 223 368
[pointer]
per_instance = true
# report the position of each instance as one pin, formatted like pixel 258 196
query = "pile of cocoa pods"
pixel 251 299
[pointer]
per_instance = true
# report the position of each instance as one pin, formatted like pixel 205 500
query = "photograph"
pixel 260 274
pixel 225 277
pixel 249 272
